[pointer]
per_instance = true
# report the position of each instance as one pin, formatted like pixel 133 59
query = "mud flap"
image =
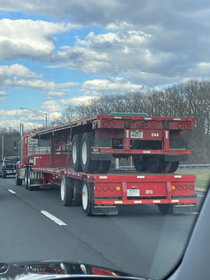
pixel 104 210
pixel 184 208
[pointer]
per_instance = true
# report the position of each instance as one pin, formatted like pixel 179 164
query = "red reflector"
pixel 98 188
pixel 185 187
pixel 180 125
pixel 105 188
pixel 112 124
pixel 179 187
pixel 111 188
pixel 186 125
pixel 191 187
pixel 105 123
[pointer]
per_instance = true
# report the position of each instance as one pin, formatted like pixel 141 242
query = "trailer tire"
pixel 165 208
pixel 18 181
pixel 77 193
pixel 174 166
pixel 66 191
pixel 140 165
pixel 169 166
pixel 87 197
pixel 154 164
pixel 26 177
pixel 103 166
pixel 88 165
pixel 76 145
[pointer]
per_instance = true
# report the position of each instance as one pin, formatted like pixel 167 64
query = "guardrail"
pixel 194 165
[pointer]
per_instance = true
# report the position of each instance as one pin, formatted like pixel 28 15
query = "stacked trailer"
pixel 77 156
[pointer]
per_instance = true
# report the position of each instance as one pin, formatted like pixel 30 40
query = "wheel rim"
pixel 74 153
pixel 84 152
pixel 62 190
pixel 84 197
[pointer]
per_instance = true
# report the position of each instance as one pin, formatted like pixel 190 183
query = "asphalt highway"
pixel 139 240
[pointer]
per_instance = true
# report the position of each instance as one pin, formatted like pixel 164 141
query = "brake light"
pixel 105 123
pixel 111 188
pixel 112 124
pixel 179 187
pixel 186 125
pixel 180 125
pixel 191 187
pixel 105 188
pixel 98 188
pixel 5 165
pixel 185 187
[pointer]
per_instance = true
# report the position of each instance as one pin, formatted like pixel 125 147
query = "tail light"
pixel 106 188
pixel 105 123
pixel 112 124
pixel 179 187
pixel 191 187
pixel 185 187
pixel 180 125
pixel 186 125
pixel 5 165
pixel 111 188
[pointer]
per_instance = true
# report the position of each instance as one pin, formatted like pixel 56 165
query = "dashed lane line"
pixel 11 191
pixel 53 218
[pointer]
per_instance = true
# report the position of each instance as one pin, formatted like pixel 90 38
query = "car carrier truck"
pixel 77 157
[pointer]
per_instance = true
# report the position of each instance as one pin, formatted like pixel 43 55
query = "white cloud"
pixel 56 94
pixel 18 70
pixel 28 38
pixel 51 106
pixel 76 100
pixel 3 93
pixel 113 85
pixel 38 84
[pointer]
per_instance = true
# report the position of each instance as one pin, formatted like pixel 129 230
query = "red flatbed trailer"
pixel 75 151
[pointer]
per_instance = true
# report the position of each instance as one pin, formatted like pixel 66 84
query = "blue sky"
pixel 57 53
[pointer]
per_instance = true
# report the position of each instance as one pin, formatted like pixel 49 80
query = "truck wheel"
pixel 66 191
pixel 140 165
pixel 26 178
pixel 103 166
pixel 170 167
pixel 4 175
pixel 77 193
pixel 165 208
pixel 88 165
pixel 87 196
pixel 154 164
pixel 18 181
pixel 76 144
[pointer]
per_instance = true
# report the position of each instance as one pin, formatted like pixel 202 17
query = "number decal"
pixel 155 134
pixel 149 191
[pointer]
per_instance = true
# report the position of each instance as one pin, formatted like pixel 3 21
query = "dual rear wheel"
pixel 82 157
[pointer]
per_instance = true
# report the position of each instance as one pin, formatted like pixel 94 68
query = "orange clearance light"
pixel 98 188
pixel 173 187
pixel 118 188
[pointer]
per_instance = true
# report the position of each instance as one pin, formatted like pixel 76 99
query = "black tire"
pixel 66 191
pixel 77 193
pixel 165 208
pixel 174 166
pixel 26 177
pixel 140 165
pixel 76 145
pixel 18 181
pixel 4 175
pixel 87 197
pixel 103 166
pixel 154 163
pixel 88 165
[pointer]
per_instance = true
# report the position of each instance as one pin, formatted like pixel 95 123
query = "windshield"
pixel 106 104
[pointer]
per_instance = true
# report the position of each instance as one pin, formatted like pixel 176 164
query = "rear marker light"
pixel 105 124
pixel 111 188
pixel 105 188
pixel 112 124
pixel 185 187
pixel 173 187
pixel 180 125
pixel 98 188
pixel 179 187
pixel 118 188
pixel 191 187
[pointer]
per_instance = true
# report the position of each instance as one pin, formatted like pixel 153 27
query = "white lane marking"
pixel 195 213
pixel 53 218
pixel 201 195
pixel 12 191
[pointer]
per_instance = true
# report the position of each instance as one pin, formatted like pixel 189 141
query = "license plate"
pixel 133 192
pixel 137 134
pixel 9 171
